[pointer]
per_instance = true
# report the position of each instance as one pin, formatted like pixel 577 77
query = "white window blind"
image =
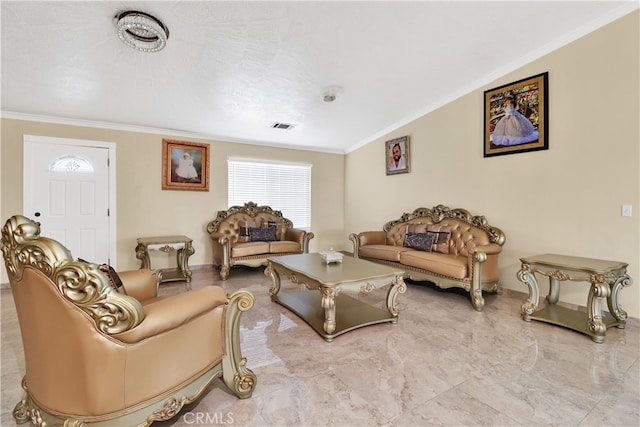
pixel 285 187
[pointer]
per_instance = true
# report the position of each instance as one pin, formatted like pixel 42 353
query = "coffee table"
pixel 330 312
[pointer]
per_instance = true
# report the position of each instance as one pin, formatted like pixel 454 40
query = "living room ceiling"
pixel 231 70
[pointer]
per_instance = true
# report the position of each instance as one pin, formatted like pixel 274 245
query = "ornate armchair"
pixel 96 355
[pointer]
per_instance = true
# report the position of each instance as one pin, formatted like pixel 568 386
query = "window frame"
pixel 288 195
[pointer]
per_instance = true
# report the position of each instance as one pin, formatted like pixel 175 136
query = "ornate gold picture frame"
pixel 516 117
pixel 185 165
pixel 397 155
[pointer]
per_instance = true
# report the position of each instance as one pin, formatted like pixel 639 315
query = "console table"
pixel 606 279
pixel 183 247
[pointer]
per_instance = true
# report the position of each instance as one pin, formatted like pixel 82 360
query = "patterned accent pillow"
pixel 277 225
pixel 243 230
pixel 114 279
pixel 262 234
pixel 419 241
pixel 442 235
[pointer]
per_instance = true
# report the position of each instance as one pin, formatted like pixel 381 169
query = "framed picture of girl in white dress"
pixel 185 165
pixel 516 117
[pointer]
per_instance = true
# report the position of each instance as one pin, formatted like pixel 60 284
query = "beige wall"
pixel 144 209
pixel 566 199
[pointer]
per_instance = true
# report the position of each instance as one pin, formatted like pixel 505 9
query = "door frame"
pixel 28 140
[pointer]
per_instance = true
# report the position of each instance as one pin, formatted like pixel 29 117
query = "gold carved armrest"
pixel 220 238
pixel 86 286
pixel 490 249
pixel 141 284
pixel 82 284
pixel 301 236
pixel 372 238
pixel 367 238
pixel 172 312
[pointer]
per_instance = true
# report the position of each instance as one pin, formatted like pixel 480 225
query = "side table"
pixel 606 279
pixel 183 247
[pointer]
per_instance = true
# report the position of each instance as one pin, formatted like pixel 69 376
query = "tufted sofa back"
pixel 467 231
pixel 464 237
pixel 232 224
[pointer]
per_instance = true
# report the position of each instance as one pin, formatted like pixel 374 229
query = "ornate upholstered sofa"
pixel 238 237
pixel 97 355
pixel 462 250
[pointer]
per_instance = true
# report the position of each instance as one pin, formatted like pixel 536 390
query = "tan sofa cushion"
pixel 386 252
pixel 249 248
pixel 284 246
pixel 448 265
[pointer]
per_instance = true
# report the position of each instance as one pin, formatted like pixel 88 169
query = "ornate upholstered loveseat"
pixel 247 235
pixel 448 247
pixel 99 355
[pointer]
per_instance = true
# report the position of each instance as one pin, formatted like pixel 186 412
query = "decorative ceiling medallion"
pixel 141 31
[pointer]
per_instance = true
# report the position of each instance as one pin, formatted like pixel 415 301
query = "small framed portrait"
pixel 185 165
pixel 397 155
pixel 516 117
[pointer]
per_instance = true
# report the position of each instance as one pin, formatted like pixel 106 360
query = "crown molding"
pixel 156 131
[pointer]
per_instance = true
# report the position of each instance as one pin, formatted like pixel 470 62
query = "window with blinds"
pixel 285 187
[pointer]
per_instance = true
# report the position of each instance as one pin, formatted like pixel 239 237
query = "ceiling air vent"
pixel 285 126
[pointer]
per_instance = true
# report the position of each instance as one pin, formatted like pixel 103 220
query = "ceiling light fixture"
pixel 141 31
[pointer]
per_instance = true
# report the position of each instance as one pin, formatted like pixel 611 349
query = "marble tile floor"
pixel 442 364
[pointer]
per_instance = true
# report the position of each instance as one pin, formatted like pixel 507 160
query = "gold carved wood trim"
pixel 249 208
pixel 81 283
pixel 440 212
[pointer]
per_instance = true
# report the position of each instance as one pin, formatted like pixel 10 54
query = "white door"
pixel 67 190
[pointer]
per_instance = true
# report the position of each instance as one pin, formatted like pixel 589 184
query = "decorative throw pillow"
pixel 114 279
pixel 262 234
pixel 416 228
pixel 442 235
pixel 243 230
pixel 275 224
pixel 420 241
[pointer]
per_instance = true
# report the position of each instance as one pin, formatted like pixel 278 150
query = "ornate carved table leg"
pixel 599 289
pixel 329 305
pixel 621 281
pixel 275 277
pixel 143 255
pixel 554 289
pixel 397 287
pixel 526 276
pixel 183 260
